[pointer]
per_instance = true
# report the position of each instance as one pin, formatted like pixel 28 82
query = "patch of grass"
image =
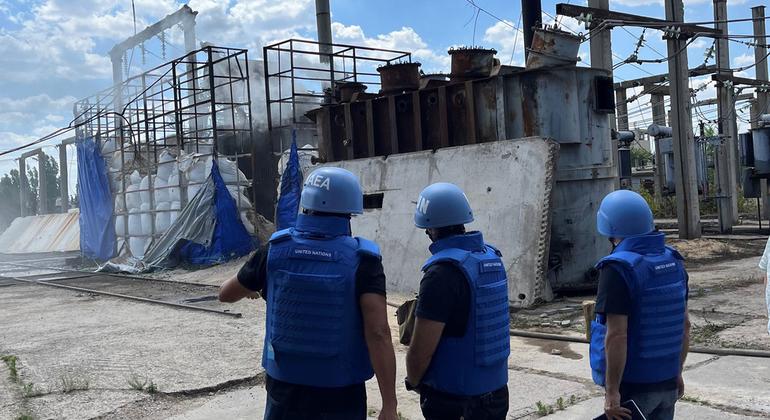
pixel 30 390
pixel 71 383
pixel 371 412
pixel 137 383
pixel 543 409
pixel 25 416
pixel 10 361
pixel 560 404
pixel 152 388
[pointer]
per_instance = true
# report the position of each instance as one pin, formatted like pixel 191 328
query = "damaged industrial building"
pixel 180 168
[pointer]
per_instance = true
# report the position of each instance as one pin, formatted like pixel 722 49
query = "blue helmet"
pixel 332 190
pixel 624 213
pixel 442 204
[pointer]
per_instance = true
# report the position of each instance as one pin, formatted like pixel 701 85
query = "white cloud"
pixel 508 41
pixel 404 39
pixel 743 60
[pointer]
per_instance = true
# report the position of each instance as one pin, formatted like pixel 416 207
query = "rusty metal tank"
pixel 399 77
pixel 348 89
pixel 472 63
pixel 553 48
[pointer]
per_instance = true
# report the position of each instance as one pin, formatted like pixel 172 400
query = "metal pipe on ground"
pixel 531 18
pixel 581 340
pixel 701 350
pixel 135 298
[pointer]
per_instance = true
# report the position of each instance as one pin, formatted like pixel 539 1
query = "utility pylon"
pixel 726 159
pixel 688 206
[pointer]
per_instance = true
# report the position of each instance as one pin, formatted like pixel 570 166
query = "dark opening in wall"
pixel 373 201
pixel 605 94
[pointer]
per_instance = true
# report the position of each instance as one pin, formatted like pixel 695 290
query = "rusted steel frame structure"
pixel 297 77
pixel 198 103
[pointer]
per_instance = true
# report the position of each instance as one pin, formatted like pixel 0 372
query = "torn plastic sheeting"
pixel 290 189
pixel 194 224
pixel 230 238
pixel 97 233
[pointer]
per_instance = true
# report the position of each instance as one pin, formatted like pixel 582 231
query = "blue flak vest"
pixel 314 332
pixel 655 276
pixel 477 362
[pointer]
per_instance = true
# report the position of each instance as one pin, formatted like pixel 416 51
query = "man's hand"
pixel 612 408
pixel 388 413
pixel 680 386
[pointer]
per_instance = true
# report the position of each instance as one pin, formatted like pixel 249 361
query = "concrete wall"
pixel 509 184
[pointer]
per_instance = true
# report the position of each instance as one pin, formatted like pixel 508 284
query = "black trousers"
pixel 438 405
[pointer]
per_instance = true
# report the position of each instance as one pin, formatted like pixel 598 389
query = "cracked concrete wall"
pixel 509 185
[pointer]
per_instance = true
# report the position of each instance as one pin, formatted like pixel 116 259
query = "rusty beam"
pixel 470 100
pixel 349 143
pixel 628 19
pixel 443 122
pixel 393 124
pixel 417 112
pixel 370 130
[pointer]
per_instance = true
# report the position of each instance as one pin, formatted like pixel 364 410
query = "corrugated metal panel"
pixel 44 233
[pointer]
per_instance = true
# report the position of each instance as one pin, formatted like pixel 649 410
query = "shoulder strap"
pixel 367 247
pixel 625 258
pixel 453 255
pixel 280 235
pixel 496 251
pixel 675 253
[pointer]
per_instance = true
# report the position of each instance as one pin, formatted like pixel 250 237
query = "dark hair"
pixel 446 231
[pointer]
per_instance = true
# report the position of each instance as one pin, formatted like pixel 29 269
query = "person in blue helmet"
pixel 327 330
pixel 640 337
pixel 458 355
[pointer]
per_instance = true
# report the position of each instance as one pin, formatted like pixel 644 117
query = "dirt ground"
pixel 84 356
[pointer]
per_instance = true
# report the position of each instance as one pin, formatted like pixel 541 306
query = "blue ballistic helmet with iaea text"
pixel 623 214
pixel 332 190
pixel 440 205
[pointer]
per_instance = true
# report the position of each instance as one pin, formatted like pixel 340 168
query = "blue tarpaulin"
pixel 291 188
pixel 97 231
pixel 230 238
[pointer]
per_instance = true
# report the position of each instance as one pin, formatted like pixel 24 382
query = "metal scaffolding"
pixel 301 75
pixel 197 104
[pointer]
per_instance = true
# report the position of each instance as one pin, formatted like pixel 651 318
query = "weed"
pixel 10 361
pixel 543 409
pixel 25 416
pixel 136 383
pixel 371 412
pixel 560 403
pixel 572 399
pixel 152 388
pixel 30 390
pixel 71 383
pixel 402 417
